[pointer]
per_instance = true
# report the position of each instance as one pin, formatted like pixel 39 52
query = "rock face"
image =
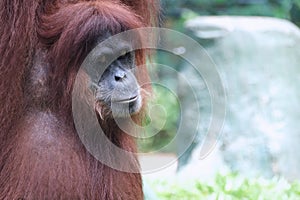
pixel 259 62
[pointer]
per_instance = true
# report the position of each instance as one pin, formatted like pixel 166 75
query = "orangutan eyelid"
pixel 123 53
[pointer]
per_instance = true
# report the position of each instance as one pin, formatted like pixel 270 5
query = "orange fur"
pixel 42 45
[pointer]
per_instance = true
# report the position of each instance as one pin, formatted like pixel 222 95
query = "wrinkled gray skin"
pixel 118 88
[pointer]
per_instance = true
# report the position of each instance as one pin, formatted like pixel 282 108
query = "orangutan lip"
pixel 132 99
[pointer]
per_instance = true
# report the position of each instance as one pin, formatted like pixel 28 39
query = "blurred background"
pixel 255 45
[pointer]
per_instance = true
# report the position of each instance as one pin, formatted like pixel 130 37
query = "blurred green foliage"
pixel 169 112
pixel 228 187
pixel 175 9
pixel 176 12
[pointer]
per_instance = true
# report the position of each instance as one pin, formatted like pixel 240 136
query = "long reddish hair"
pixel 42 45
